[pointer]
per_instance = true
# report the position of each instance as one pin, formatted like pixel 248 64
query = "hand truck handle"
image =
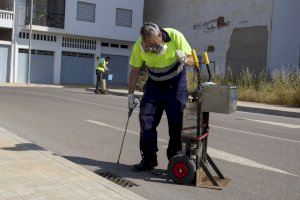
pixel 207 62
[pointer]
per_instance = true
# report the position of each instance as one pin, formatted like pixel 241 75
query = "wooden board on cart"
pixel 203 181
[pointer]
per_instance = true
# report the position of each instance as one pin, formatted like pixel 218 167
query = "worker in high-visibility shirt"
pixel 165 52
pixel 101 73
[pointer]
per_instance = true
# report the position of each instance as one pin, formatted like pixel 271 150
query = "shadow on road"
pixel 157 176
pixel 24 147
pixel 83 92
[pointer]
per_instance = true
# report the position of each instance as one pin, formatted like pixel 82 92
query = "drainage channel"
pixel 115 178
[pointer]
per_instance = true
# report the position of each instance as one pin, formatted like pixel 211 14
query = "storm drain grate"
pixel 116 179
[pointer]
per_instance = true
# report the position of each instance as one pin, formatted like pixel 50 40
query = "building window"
pixel 86 11
pixel 38 52
pixel 78 43
pixel 123 17
pixel 5 34
pixel 104 44
pixel 75 54
pixel 50 13
pixel 124 46
pixel 85 55
pixel 114 45
pixel 23 51
pixel 36 36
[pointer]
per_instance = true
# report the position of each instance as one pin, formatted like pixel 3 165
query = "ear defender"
pixel 143 48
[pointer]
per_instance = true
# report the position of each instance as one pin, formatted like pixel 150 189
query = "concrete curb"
pixel 269 111
pixel 240 108
pixel 116 92
pixel 30 85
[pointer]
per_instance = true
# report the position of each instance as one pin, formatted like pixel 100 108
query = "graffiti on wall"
pixel 243 22
pixel 211 25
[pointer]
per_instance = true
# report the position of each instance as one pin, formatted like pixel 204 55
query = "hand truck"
pixel 192 166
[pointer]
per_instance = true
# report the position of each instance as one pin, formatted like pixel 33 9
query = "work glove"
pixel 106 70
pixel 131 101
pixel 181 56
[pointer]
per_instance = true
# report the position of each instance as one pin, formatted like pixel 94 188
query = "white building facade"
pixel 256 34
pixel 67 36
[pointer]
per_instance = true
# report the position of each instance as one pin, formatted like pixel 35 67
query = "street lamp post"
pixel 30 36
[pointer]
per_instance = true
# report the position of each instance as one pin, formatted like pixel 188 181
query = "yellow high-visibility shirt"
pixel 102 65
pixel 173 39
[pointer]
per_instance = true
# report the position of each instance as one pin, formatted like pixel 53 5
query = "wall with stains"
pixel 285 37
pixel 211 23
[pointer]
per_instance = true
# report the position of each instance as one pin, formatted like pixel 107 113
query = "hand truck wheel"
pixel 181 169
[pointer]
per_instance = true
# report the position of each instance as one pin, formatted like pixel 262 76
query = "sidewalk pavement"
pixel 29 172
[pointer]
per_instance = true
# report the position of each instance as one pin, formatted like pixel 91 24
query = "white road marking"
pixel 256 134
pixel 76 100
pixel 222 155
pixel 214 152
pixel 107 106
pixel 286 125
pixel 82 101
pixel 120 129
pixel 252 113
pixel 87 102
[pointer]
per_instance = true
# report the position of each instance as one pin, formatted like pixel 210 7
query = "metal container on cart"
pixel 219 99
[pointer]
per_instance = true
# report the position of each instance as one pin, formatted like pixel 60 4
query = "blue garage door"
pixel 42 66
pixel 77 68
pixel 118 67
pixel 4 63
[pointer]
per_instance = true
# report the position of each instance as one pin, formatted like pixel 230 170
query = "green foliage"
pixel 282 87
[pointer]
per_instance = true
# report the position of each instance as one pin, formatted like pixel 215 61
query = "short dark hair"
pixel 107 58
pixel 149 29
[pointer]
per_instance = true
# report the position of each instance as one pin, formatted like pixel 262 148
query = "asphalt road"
pixel 259 153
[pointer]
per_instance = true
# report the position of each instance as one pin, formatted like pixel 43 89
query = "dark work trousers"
pixel 100 75
pixel 169 96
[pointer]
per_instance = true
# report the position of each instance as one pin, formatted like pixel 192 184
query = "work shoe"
pixel 104 92
pixel 97 92
pixel 144 165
